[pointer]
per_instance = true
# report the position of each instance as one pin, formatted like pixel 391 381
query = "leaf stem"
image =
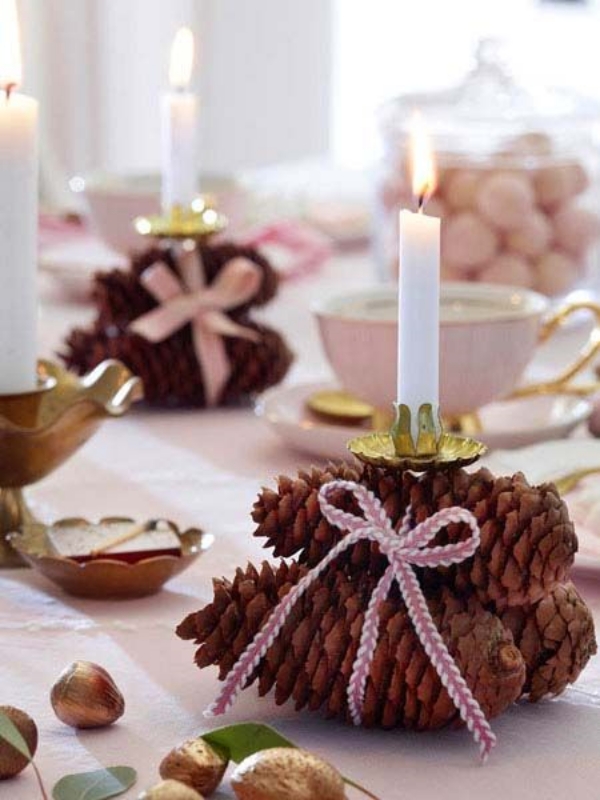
pixel 39 780
pixel 361 788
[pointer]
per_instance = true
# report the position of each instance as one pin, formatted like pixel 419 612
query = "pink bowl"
pixel 488 335
pixel 114 201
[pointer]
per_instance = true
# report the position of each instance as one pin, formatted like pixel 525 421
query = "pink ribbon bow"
pixel 404 549
pixel 191 301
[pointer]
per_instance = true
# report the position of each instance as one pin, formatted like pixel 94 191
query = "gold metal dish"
pixel 106 577
pixel 40 430
pixel 379 450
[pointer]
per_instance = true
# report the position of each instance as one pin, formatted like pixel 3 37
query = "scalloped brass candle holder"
pixel 197 222
pixel 434 448
pixel 41 429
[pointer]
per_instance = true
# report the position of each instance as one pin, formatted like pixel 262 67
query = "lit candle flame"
pixel 424 174
pixel 182 59
pixel 10 47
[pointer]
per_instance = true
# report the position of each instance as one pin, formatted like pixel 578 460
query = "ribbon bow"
pixel 404 550
pixel 191 301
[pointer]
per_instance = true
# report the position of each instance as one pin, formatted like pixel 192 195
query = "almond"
pixel 286 772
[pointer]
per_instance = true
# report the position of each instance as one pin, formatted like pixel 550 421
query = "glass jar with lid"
pixel 518 180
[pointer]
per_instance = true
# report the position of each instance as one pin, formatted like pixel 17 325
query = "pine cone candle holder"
pixel 209 352
pixel 527 539
pixel 510 631
pixel 311 661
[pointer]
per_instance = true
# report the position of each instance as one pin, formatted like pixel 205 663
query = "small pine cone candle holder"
pixel 181 319
pixel 410 601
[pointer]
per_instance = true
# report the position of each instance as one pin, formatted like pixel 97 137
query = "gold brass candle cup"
pixel 433 449
pixel 199 221
pixel 39 430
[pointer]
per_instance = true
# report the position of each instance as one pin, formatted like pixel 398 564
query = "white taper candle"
pixel 18 216
pixel 419 288
pixel 179 117
pixel 418 311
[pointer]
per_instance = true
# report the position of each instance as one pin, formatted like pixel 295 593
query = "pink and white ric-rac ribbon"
pixel 404 549
pixel 191 301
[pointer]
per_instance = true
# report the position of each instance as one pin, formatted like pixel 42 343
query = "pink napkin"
pixel 57 229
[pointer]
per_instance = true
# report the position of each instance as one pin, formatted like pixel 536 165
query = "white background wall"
pixel 386 47
pixel 278 79
pixel 98 66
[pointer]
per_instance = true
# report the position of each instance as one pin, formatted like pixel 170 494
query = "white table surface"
pixel 205 468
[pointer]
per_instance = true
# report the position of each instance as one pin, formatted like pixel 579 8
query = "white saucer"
pixel 549 461
pixel 74 264
pixel 507 424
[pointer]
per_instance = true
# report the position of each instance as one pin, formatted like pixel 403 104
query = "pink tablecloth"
pixel 206 468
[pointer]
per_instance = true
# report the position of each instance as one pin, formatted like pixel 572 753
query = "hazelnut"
pixel 170 790
pixel 11 761
pixel 286 772
pixel 196 764
pixel 85 696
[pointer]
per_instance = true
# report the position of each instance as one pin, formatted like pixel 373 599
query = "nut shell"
pixel 196 764
pixel 11 761
pixel 286 772
pixel 86 696
pixel 170 790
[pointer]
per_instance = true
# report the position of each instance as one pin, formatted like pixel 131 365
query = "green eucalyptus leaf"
pixel 11 734
pixel 97 785
pixel 244 739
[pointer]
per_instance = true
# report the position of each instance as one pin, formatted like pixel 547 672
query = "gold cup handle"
pixel 562 384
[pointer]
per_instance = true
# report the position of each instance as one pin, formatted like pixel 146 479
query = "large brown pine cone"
pixel 527 540
pixel 311 659
pixel 556 638
pixel 169 370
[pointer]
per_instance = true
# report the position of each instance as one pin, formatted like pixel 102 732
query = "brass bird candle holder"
pixel 433 449
pixel 39 430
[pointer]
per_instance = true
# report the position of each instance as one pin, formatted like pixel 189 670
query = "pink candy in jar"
pixel 542 232
pixel 506 221
pixel 518 179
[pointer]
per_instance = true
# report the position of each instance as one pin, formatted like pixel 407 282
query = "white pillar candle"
pixel 18 216
pixel 419 293
pixel 179 115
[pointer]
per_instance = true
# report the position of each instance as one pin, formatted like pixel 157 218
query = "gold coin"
pixel 337 405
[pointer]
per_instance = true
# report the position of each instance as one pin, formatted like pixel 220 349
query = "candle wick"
pixel 421 203
pixel 9 89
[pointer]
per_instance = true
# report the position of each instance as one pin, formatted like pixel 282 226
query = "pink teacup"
pixel 488 335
